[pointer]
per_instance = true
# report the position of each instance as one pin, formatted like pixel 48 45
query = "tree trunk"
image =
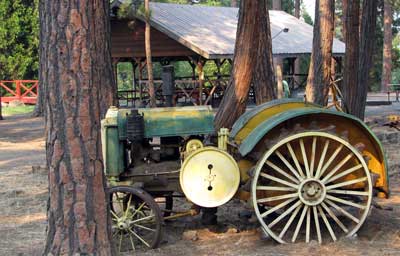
pixel 319 76
pixel 276 4
pixel 264 77
pixel 351 59
pixel 39 106
pixel 297 8
pixel 76 73
pixel 1 114
pixel 367 39
pixel 252 34
pixel 152 93
pixel 387 46
pixel 234 3
pixel 297 64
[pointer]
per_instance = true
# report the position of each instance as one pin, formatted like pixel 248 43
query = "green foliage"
pixel 10 111
pixel 19 39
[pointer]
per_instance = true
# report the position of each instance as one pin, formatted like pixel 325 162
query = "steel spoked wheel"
pixel 311 185
pixel 136 219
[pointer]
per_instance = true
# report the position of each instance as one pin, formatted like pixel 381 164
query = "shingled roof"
pixel 211 31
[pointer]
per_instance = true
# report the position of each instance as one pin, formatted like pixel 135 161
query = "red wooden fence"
pixel 25 91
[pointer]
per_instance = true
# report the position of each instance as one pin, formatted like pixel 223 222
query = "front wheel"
pixel 310 185
pixel 136 219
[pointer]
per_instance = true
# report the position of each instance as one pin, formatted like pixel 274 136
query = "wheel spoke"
pixel 313 149
pixel 138 209
pixel 346 183
pixel 282 172
pixel 288 165
pixel 321 212
pixel 278 180
pixel 271 188
pixel 120 242
pixel 337 151
pixel 132 243
pixel 294 214
pixel 339 200
pixel 144 227
pixel 276 198
pixel 305 160
pixel 283 215
pixel 347 158
pixel 348 192
pixel 138 237
pixel 308 225
pixel 296 162
pixel 343 211
pixel 279 206
pixel 333 216
pixel 317 224
pixel 128 206
pixel 344 173
pixel 115 215
pixel 296 232
pixel 142 219
pixel 322 159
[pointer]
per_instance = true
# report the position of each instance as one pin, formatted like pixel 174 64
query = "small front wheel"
pixel 136 219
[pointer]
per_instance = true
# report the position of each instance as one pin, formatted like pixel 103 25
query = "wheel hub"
pixel 312 192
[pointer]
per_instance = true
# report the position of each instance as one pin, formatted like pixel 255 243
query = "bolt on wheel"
pixel 136 219
pixel 310 185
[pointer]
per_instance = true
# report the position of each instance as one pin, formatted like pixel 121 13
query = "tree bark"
pixel 76 73
pixel 264 77
pixel 367 39
pixel 319 76
pixel 1 114
pixel 276 4
pixel 152 93
pixel 297 8
pixel 297 64
pixel 351 59
pixel 234 3
pixel 252 34
pixel 387 46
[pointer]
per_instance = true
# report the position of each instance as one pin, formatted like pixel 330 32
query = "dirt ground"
pixel 23 198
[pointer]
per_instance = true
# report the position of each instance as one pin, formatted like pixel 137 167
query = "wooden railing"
pixel 22 90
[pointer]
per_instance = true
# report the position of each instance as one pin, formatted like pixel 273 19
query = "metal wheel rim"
pixel 310 210
pixel 136 219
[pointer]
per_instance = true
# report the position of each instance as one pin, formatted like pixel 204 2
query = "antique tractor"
pixel 307 171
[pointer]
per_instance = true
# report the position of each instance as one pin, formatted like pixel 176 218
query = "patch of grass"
pixel 10 111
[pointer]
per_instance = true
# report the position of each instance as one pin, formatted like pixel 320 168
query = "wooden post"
pixel 115 70
pixel 200 68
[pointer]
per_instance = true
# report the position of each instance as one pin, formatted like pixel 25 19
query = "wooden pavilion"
pixel 200 34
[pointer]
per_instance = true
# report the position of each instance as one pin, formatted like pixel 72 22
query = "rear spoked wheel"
pixel 136 219
pixel 311 185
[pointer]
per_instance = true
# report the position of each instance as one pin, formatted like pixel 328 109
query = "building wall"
pixel 128 41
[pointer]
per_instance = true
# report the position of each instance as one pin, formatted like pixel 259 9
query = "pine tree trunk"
pixel 234 3
pixel 1 114
pixel 297 8
pixel 152 93
pixel 276 4
pixel 387 46
pixel 319 75
pixel 76 72
pixel 39 107
pixel 252 34
pixel 263 74
pixel 297 64
pixel 351 59
pixel 367 39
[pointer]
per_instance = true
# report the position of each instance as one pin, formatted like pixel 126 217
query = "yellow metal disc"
pixel 209 177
